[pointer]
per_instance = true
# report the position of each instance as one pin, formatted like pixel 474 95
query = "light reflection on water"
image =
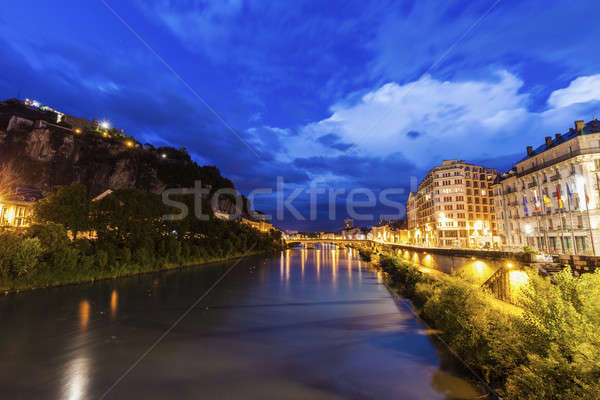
pixel 315 323
pixel 114 303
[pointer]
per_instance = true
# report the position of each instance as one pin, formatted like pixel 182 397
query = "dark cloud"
pixel 332 140
pixel 413 134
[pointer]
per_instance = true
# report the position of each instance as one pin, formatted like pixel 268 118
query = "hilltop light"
pixel 105 124
pixel 105 134
pixel 129 143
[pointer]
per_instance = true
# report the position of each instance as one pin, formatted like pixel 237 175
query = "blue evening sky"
pixel 345 94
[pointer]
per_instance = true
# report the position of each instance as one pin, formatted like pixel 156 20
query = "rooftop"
pixel 592 126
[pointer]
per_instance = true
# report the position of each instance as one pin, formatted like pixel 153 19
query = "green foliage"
pixel 131 237
pixel 365 254
pixel 547 349
pixel 528 249
pixel 53 237
pixel 68 205
pixel 18 255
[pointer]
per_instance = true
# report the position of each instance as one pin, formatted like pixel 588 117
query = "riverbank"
pixel 44 281
pixel 547 351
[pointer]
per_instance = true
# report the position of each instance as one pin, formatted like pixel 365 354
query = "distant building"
pixel 262 226
pixel 348 223
pixel 390 232
pixel 550 200
pixel 16 209
pixel 454 207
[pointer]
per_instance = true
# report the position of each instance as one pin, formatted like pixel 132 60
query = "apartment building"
pixel 549 200
pixel 454 207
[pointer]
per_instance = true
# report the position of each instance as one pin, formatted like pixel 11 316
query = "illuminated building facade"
pixel 262 226
pixel 454 207
pixel 549 201
pixel 16 208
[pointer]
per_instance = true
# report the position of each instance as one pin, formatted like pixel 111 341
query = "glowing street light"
pixel 105 124
pixel 129 143
pixel 163 155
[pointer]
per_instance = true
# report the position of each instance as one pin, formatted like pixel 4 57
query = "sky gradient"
pixel 344 94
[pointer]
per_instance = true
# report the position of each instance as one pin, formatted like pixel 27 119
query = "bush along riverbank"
pixel 548 349
pixel 130 237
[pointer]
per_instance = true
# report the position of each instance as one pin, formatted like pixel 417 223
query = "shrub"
pixel 53 237
pixel 18 254
pixel 549 350
pixel 65 259
pixel 102 259
pixel 365 254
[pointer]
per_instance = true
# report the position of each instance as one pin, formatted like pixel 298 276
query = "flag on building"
pixel 525 206
pixel 569 195
pixel 536 201
pixel 561 204
pixel 587 198
pixel 547 202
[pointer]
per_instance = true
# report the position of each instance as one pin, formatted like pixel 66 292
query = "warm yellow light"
pixel 517 279
pixel 129 143
pixel 479 266
pixel 509 265
pixel 84 313
pixel 77 131
pixel 105 134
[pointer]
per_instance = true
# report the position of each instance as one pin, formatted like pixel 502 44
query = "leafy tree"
pixel 53 237
pixel 129 216
pixel 67 205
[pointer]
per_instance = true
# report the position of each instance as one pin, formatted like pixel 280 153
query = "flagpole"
pixel 562 232
pixel 543 211
pixel 571 220
pixel 561 206
pixel 587 210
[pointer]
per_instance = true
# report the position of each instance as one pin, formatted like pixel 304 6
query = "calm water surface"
pixel 309 324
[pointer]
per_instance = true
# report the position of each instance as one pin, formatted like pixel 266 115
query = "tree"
pixel 67 205
pixel 129 217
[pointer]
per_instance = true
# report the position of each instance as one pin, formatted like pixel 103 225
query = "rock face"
pixel 46 157
pixel 46 154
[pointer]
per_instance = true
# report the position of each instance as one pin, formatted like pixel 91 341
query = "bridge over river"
pixel 498 270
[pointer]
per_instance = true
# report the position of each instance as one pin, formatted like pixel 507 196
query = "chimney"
pixel 579 125
pixel 529 151
pixel 557 137
pixel 548 141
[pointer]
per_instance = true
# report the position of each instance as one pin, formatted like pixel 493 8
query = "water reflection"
pixel 84 314
pixel 76 379
pixel 77 369
pixel 114 304
pixel 328 335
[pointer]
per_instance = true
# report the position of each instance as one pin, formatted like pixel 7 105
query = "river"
pixel 310 323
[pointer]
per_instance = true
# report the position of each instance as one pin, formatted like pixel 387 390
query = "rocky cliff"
pixel 46 155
